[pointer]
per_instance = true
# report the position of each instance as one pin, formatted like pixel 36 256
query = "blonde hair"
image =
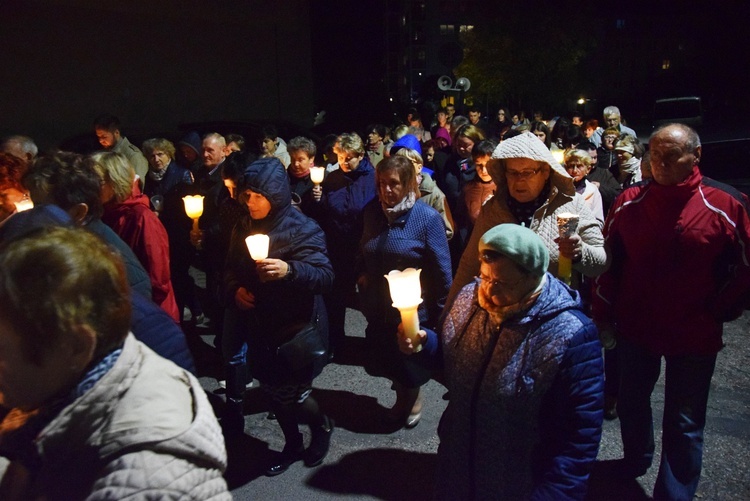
pixel 580 155
pixel 350 142
pixel 412 155
pixel 116 171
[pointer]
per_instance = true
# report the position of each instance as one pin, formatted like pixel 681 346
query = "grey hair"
pixel 26 144
pixel 692 140
pixel 611 110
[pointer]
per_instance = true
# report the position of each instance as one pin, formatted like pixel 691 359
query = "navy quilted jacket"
pixel 525 414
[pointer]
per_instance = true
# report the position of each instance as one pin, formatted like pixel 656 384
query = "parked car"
pixel 684 110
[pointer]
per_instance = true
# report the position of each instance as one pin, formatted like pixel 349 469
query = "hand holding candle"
pixel 406 294
pixel 567 225
pixel 317 174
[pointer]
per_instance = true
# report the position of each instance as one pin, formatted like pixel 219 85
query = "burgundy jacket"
pixel 680 265
pixel 141 229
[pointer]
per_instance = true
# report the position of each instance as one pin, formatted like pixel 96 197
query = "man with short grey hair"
pixel 612 119
pixel 680 247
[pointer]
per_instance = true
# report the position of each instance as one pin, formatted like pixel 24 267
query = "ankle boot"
pixel 320 442
pixel 293 452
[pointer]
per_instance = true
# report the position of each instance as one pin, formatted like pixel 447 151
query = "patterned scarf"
pixel 400 208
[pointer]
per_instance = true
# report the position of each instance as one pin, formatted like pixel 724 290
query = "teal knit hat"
pixel 519 244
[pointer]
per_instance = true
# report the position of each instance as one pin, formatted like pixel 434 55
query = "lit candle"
pixel 567 225
pixel 194 208
pixel 317 174
pixel 24 204
pixel 258 246
pixel 406 294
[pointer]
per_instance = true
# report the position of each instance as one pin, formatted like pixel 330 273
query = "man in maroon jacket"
pixel 680 249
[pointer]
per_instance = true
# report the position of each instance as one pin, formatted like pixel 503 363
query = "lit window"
pixel 465 28
pixel 665 64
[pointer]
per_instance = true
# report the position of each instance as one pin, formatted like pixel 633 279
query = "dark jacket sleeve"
pixel 575 420
pixel 311 268
pixel 155 328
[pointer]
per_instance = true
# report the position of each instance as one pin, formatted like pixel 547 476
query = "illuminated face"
pixel 608 141
pixel 525 178
pixel 213 152
pixel 258 205
pixel 464 145
pixel 501 283
pixel 348 161
pixel 268 146
pixel 671 161
pixel 515 119
pixel 301 163
pixel 577 121
pixel 474 117
pixel 577 169
pixel 501 116
pixel 442 118
pixel 451 111
pixel 106 138
pixel 541 135
pixel 589 131
pixel 158 160
pixel 612 121
pixel 390 188
pixel 480 163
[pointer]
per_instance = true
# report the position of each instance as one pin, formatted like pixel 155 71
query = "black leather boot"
pixel 291 454
pixel 320 443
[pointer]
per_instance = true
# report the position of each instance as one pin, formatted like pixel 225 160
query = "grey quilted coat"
pixel 145 430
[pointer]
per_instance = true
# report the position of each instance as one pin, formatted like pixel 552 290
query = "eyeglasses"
pixel 523 174
pixel 494 284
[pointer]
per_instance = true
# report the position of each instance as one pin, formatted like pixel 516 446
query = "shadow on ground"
pixel 399 475
pixel 604 485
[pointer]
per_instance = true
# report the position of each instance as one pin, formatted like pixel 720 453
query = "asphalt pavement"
pixel 370 460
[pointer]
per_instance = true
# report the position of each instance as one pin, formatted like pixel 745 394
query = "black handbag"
pixel 304 349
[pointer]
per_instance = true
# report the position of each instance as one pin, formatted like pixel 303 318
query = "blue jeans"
pixel 687 381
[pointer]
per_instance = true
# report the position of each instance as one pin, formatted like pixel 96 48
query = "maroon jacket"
pixel 141 229
pixel 680 265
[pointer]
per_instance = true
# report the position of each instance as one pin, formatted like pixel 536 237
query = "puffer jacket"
pixel 562 198
pixel 525 414
pixel 280 305
pixel 145 430
pixel 435 198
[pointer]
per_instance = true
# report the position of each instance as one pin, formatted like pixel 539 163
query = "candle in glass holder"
pixel 24 204
pixel 194 208
pixel 258 246
pixel 317 174
pixel 567 225
pixel 406 293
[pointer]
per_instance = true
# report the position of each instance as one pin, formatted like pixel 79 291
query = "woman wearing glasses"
pixel 532 190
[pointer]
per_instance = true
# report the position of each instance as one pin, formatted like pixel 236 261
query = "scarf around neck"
pixel 401 208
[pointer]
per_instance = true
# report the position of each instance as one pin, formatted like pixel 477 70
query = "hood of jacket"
pixel 408 141
pixel 268 177
pixel 527 145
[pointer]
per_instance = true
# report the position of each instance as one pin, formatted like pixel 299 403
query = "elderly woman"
pixel 628 151
pixel 129 216
pixel 400 233
pixel 277 299
pixel 532 190
pixel 578 165
pixel 523 367
pixel 94 414
pixel 165 185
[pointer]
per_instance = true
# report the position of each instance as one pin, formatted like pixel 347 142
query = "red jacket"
pixel 680 265
pixel 141 229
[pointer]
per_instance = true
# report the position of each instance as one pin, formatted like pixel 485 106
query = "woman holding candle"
pixel 275 298
pixel 398 234
pixel 532 189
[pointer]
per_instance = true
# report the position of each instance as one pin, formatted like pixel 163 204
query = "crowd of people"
pixel 539 243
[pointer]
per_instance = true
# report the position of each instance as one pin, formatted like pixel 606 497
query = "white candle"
pixel 406 293
pixel 24 204
pixel 317 174
pixel 257 245
pixel 193 206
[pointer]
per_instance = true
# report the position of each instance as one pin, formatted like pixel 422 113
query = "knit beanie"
pixel 519 244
